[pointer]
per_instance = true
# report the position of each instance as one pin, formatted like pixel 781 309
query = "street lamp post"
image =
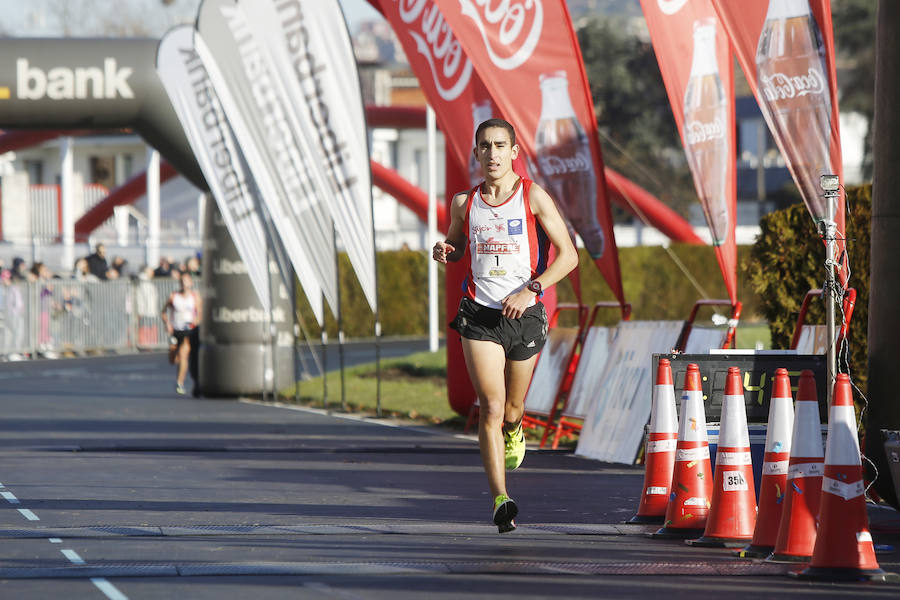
pixel 828 228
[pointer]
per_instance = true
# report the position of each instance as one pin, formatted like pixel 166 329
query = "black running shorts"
pixel 520 338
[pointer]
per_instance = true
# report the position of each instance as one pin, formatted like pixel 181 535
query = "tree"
pixel 854 40
pixel 637 129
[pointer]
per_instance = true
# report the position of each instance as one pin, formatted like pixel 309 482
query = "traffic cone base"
pixel 646 520
pixel 754 551
pixel 717 542
pixel 669 533
pixel 787 558
pixel 845 574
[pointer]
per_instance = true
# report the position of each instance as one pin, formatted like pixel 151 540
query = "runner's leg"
pixel 184 351
pixel 485 361
pixel 518 376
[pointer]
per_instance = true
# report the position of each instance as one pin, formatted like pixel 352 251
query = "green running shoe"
pixel 515 447
pixel 505 510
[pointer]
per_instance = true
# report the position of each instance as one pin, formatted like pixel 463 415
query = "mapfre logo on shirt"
pixel 496 248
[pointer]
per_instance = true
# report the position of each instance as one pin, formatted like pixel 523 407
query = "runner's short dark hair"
pixel 496 123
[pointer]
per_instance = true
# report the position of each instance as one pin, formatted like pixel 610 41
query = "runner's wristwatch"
pixel 535 286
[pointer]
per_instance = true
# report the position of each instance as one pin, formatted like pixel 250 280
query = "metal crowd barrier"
pixel 65 316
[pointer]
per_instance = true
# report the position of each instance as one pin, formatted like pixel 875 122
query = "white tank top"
pixel 184 310
pixel 506 244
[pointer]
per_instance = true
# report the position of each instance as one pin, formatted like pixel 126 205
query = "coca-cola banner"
pixel 786 50
pixel 527 55
pixel 694 58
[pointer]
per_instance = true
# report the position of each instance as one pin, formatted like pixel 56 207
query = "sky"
pixel 49 18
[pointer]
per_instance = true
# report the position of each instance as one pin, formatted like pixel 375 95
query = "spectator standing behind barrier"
pixel 97 262
pixel 82 272
pixel 14 305
pixel 20 270
pixel 120 266
pixel 181 314
pixel 147 301
pixel 42 275
pixel 164 269
pixel 5 277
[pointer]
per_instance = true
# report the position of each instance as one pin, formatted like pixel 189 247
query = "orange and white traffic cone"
pixel 660 454
pixel 843 549
pixel 775 468
pixel 797 531
pixel 688 504
pixel 732 511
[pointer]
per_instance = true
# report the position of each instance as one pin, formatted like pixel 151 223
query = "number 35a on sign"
pixel 733 481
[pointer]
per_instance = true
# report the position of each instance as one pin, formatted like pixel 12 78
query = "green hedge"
pixel 788 259
pixel 653 283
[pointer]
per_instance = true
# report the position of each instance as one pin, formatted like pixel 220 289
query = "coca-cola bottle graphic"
pixel 706 132
pixel 794 94
pixel 564 161
pixel 481 112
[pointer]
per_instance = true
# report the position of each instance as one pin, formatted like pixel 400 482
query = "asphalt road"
pixel 113 487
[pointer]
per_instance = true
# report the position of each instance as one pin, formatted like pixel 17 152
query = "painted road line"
pixel 108 589
pixel 29 515
pixel 54 540
pixel 72 556
pixel 10 497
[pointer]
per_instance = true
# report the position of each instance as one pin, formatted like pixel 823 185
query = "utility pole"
pixel 884 277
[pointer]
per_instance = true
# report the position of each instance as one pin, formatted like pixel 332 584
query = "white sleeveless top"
pixel 507 246
pixel 184 310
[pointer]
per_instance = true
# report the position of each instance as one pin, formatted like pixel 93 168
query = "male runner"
pixel 505 223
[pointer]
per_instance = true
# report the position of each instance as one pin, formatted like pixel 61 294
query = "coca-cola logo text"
pixel 779 86
pixel 513 25
pixel 670 7
pixel 551 165
pixel 450 69
pixel 696 132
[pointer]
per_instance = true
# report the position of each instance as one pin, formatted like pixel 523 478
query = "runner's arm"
pixel 453 248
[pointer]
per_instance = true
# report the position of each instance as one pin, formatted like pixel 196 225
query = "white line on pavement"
pixel 29 515
pixel 72 556
pixel 54 540
pixel 108 589
pixel 10 497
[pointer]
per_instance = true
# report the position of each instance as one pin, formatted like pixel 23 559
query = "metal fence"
pixel 64 316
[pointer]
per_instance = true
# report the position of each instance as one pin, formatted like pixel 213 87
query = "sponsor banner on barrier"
pixel 307 46
pixel 527 55
pixel 550 369
pixel 694 58
pixel 247 85
pixel 786 50
pixel 221 160
pixel 618 399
